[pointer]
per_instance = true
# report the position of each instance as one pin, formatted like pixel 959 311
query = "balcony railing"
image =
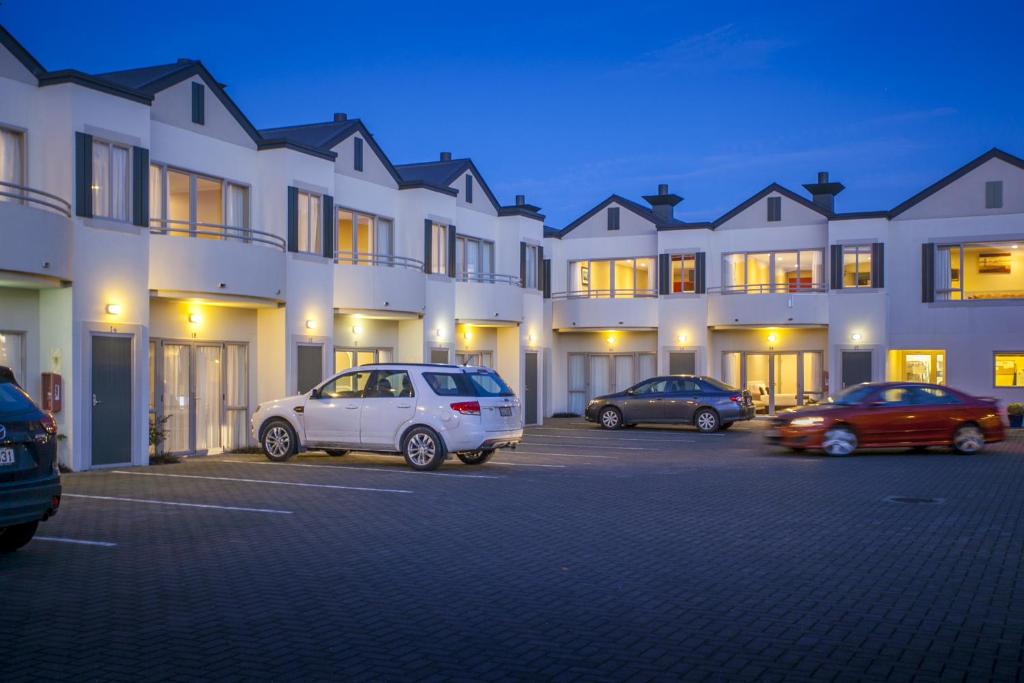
pixel 770 288
pixel 490 278
pixel 357 258
pixel 27 195
pixel 607 294
pixel 213 231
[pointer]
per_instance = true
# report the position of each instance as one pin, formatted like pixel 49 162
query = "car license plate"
pixel 7 457
pixel 505 411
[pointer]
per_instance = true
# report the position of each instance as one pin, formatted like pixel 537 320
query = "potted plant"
pixel 1015 411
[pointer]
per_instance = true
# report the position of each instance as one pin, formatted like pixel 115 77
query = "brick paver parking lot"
pixel 640 554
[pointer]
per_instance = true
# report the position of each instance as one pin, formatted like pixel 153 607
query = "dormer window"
pixel 469 189
pixel 357 154
pixel 198 103
pixel 994 194
pixel 613 218
pixel 774 209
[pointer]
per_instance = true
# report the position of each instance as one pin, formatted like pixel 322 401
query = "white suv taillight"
pixel 467 407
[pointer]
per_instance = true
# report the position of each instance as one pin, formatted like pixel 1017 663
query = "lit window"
pixel 983 270
pixel 309 223
pixel 684 273
pixel 857 266
pixel 928 366
pixel 1009 370
pixel 12 159
pixel 439 249
pixel 109 181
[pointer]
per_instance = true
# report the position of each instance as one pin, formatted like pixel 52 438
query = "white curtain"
pixel 10 160
pixel 944 274
pixel 383 240
pixel 600 381
pixel 119 183
pixel 11 354
pixel 156 197
pixel 577 383
pixel 812 375
pixel 623 372
pixel 236 209
pixel 208 397
pixel 731 369
pixel 176 402
pixel 236 397
pixel 648 366
pixel 100 179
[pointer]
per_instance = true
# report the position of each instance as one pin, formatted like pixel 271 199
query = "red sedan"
pixel 889 414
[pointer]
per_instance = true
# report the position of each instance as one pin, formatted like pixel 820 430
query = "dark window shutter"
pixel 469 188
pixel 994 194
pixel 140 186
pixel 293 219
pixel 700 275
pixel 428 233
pixel 83 175
pixel 540 268
pixel 547 278
pixel 198 103
pixel 357 156
pixel 836 266
pixel 613 218
pixel 522 264
pixel 878 264
pixel 327 240
pixel 774 209
pixel 664 273
pixel 451 251
pixel 927 273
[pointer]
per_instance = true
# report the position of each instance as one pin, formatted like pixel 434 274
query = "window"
pixel 474 258
pixel 768 272
pixel 932 396
pixel 618 278
pixel 857 266
pixel 12 353
pixel 448 384
pixel 532 269
pixel 12 161
pixel 613 218
pixel 346 359
pixel 390 384
pixel 357 154
pixel 684 273
pixel 364 239
pixel 1009 369
pixel 309 223
pixel 482 359
pixel 979 271
pixel 488 383
pixel 896 396
pixel 469 188
pixel 927 366
pixel 439 249
pixel 110 180
pixel 349 385
pixel 193 205
pixel 774 209
pixel 994 194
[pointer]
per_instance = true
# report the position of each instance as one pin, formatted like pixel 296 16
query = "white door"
pixel 388 403
pixel 333 417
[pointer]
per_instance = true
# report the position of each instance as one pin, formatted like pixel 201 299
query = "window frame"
pixel 946 295
pixel 110 145
pixel 22 180
pixel 532 257
pixel 314 235
pixel 357 154
pixel 161 224
pixel 772 287
pixel 355 254
pixel 469 188
pixel 861 248
pixel 463 243
pixel 681 256
pixel 613 287
pixel 995 360
pixel 439 248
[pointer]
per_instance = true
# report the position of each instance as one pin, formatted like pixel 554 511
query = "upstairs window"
pixel 469 189
pixel 857 266
pixel 357 154
pixel 774 209
pixel 613 218
pixel 773 272
pixel 474 258
pixel 994 194
pixel 439 249
pixel 310 223
pixel 110 178
pixel 12 161
pixel 188 204
pixel 979 271
pixel 365 240
pixel 684 273
pixel 612 278
pixel 532 266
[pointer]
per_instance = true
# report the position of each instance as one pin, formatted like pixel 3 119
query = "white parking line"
pixel 526 464
pixel 616 438
pixel 357 467
pixel 520 451
pixel 75 541
pixel 177 504
pixel 264 481
pixel 542 444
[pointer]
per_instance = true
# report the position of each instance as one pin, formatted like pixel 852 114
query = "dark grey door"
pixel 856 367
pixel 439 355
pixel 530 389
pixel 111 400
pixel 311 366
pixel 682 363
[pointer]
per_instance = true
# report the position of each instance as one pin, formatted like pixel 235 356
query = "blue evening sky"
pixel 569 102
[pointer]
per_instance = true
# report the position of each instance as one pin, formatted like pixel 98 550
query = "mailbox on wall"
pixel 53 392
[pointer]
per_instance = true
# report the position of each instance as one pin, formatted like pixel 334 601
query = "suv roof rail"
pixel 415 365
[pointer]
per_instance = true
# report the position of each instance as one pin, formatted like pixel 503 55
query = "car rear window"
pixel 488 383
pixel 13 398
pixel 449 384
pixel 716 385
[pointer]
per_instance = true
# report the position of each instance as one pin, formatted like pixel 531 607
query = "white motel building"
pixel 161 256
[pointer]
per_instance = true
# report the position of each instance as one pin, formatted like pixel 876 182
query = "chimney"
pixel 663 204
pixel 520 200
pixel 823 193
pixel 340 116
pixel 446 156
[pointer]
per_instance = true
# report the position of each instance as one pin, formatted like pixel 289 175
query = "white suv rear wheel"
pixel 423 449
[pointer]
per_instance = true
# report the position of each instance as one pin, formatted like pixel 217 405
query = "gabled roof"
pixel 439 175
pixel 994 153
pixel 639 209
pixel 774 187
pixel 21 54
pixel 326 136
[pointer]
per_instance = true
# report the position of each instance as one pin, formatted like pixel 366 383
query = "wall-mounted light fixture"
pixel 310 324
pixel 357 330
pixel 772 338
pixel 195 318
pixel 113 309
pixel 437 333
pixel 467 334
pixel 856 337
pixel 681 339
pixel 531 338
pixel 610 339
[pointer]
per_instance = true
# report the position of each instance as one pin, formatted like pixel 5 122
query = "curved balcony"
pixel 207 258
pixel 768 305
pixel 378 283
pixel 483 297
pixel 603 309
pixel 35 231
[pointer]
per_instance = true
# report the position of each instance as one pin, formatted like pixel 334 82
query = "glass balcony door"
pixel 776 379
pixel 773 272
pixel 612 278
pixel 186 204
pixel 348 358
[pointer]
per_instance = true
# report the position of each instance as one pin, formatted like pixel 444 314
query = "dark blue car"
pixel 29 478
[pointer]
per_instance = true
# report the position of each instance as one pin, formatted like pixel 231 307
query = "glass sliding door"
pixel 12 161
pixel 345 359
pixel 776 379
pixel 600 375
pixel 577 383
pixel 623 372
pixel 236 396
pixel 208 397
pixel 647 364
pixel 177 397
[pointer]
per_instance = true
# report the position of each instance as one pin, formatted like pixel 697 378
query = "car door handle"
pixel 405 405
pixel 351 407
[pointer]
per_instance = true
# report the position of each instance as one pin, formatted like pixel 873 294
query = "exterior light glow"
pixel 310 324
pixel 772 338
pixel 467 335
pixel 856 336
pixel 531 338
pixel 195 318
pixel 610 340
pixel 681 339
pixel 357 330
pixel 113 309
pixel 437 333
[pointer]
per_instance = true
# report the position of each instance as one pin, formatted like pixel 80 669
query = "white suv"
pixel 423 411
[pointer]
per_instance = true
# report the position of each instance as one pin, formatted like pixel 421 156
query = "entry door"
pixel 530 388
pixel 177 397
pixel 682 363
pixel 856 367
pixel 111 400
pixel 208 397
pixel 310 366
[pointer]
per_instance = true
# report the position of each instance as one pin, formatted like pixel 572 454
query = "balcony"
pixel 605 309
pixel 378 283
pixel 768 304
pixel 207 258
pixel 35 231
pixel 482 297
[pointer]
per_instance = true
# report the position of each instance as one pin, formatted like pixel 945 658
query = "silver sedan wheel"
pixel 968 439
pixel 421 449
pixel 610 419
pixel 707 422
pixel 839 441
pixel 277 441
